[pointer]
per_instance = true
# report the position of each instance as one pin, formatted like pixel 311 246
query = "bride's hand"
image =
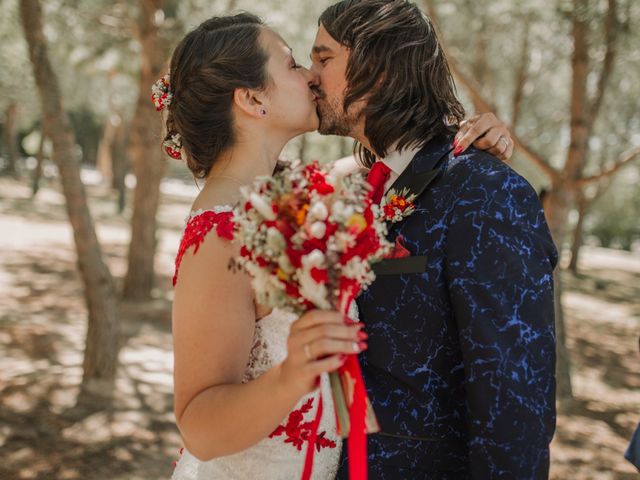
pixel 318 342
pixel 486 132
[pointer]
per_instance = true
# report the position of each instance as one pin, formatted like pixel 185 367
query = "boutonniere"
pixel 397 206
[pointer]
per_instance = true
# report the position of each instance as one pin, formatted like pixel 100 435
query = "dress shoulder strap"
pixel 198 226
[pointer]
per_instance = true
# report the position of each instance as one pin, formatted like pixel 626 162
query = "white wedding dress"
pixel 280 456
pixel 271 458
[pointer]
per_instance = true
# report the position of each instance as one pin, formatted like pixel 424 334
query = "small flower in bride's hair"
pixel 160 94
pixel 173 146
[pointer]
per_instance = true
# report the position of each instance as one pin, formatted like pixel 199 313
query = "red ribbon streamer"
pixel 311 447
pixel 357 441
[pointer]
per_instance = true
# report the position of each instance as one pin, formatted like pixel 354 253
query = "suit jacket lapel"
pixel 424 168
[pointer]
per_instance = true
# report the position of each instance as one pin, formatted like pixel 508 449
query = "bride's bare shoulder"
pixel 215 195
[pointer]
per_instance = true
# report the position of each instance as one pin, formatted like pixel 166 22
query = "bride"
pixel 245 377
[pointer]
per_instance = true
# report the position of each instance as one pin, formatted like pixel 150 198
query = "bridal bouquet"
pixel 309 240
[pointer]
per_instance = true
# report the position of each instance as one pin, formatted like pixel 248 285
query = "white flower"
pixel 275 239
pixel 337 212
pixel 313 291
pixel 356 268
pixel 285 264
pixel 310 289
pixel 318 229
pixel 262 206
pixel 313 259
pixel 319 211
pixel 344 240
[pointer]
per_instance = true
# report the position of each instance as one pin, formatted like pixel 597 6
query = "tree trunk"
pixel 578 232
pixel 37 172
pixel 10 138
pixel 562 196
pixel 104 162
pixel 148 161
pixel 521 75
pixel 100 356
pixel 120 165
pixel 564 391
pixel 557 204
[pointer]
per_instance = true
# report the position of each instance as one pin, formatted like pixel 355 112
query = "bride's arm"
pixel 344 166
pixel 213 327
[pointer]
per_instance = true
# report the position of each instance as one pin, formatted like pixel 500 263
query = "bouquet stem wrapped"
pixel 308 241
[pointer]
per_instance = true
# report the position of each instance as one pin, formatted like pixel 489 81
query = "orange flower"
pixel 282 275
pixel 301 214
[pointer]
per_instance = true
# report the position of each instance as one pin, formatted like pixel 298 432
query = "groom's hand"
pixel 318 342
pixel 485 132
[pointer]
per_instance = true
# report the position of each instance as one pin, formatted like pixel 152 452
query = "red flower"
pixel 173 153
pixel 261 262
pixel 295 256
pixel 312 244
pixel 366 244
pixel 318 180
pixel 322 188
pixel 292 290
pixel 389 210
pixel 284 228
pixel 319 275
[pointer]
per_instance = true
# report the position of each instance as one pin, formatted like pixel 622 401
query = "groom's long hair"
pixel 397 64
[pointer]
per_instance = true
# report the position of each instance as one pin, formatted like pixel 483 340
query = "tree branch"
pixel 521 75
pixel 480 103
pixel 623 160
pixel 611 32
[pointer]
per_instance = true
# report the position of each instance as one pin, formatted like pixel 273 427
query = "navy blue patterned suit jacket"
pixel 461 358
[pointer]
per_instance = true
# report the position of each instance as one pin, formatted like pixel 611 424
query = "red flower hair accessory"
pixel 173 146
pixel 160 94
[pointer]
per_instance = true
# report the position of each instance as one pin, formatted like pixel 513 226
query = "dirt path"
pixel 42 328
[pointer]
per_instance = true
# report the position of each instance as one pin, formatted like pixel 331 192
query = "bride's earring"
pixel 263 112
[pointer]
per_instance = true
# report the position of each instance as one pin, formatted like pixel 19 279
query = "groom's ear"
pixel 251 102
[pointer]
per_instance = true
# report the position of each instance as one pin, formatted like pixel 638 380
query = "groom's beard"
pixel 333 119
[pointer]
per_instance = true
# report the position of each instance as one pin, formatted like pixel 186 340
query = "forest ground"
pixel 43 325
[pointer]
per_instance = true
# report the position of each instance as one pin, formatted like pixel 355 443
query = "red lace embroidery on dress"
pixel 197 229
pixel 298 432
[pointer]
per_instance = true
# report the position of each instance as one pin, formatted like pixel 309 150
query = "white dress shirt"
pixel 398 161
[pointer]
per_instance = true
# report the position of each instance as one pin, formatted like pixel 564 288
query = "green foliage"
pixel 614 219
pixel 96 56
pixel 486 37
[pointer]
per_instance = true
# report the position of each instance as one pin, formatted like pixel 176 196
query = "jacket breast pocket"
pixel 400 266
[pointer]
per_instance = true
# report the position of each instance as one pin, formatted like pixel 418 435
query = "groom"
pixel 460 365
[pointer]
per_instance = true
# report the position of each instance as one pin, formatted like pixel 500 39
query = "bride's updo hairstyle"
pixel 219 56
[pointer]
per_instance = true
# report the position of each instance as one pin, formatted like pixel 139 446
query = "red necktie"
pixel 377 177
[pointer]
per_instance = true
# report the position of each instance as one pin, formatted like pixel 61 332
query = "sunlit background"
pixel 562 74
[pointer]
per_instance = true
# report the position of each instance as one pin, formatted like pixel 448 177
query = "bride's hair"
pixel 220 55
